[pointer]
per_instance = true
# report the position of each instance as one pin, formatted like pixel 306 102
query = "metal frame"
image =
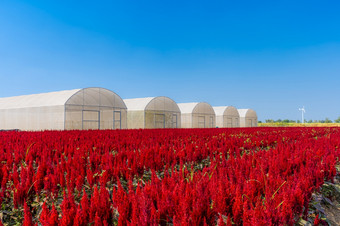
pixel 99 108
pixel 82 118
pixel 237 122
pixel 80 105
pixel 174 121
pixel 173 113
pixel 212 121
pixel 163 121
pixel 251 122
pixel 198 117
pixel 114 119
pixel 227 121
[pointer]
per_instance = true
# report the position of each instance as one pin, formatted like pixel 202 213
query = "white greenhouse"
pixel 88 108
pixel 248 118
pixel 152 112
pixel 227 117
pixel 197 115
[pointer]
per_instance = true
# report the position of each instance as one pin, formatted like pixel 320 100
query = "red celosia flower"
pixel 317 220
pixel 44 216
pixel 53 219
pixel 27 216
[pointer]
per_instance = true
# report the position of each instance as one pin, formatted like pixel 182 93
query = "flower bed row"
pixel 158 177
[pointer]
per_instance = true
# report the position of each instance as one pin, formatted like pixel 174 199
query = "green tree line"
pixel 326 120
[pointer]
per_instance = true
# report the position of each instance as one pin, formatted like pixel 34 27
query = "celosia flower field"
pixel 253 176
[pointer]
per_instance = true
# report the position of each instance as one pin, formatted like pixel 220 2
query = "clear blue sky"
pixel 272 56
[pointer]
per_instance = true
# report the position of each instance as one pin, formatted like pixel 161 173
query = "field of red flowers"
pixel 250 176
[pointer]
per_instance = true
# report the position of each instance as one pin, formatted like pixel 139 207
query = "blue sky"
pixel 272 56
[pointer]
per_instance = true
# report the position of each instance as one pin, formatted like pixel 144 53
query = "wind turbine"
pixel 302 112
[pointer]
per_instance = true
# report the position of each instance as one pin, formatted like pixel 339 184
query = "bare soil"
pixel 326 203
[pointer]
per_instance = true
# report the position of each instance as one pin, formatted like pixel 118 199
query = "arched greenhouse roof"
pixel 151 104
pixel 247 113
pixel 196 107
pixel 226 110
pixel 93 96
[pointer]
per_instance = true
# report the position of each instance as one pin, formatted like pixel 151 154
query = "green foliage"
pixel 279 121
pixel 286 121
pixel 327 120
pixel 337 120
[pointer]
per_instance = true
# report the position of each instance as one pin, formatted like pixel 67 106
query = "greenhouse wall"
pixel 153 112
pixel 203 121
pixel 227 117
pixel 89 108
pixel 135 120
pixel 95 108
pixel 197 115
pixel 161 119
pixel 36 118
pixel 186 120
pixel 248 118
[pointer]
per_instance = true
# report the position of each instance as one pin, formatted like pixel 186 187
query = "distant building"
pixel 88 108
pixel 153 112
pixel 227 117
pixel 197 115
pixel 248 118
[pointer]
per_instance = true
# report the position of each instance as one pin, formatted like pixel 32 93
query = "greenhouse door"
pixel 174 121
pixel 117 122
pixel 211 121
pixel 250 123
pixel 229 122
pixel 201 122
pixel 159 120
pixel 90 119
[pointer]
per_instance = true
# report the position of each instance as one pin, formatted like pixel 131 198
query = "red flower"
pixel 27 216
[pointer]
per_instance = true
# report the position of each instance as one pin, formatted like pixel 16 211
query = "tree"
pixel 327 120
pixel 337 120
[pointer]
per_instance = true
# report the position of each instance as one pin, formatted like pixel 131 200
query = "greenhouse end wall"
pixel 223 121
pixel 248 122
pixel 197 115
pixel 233 122
pixel 203 121
pixel 162 119
pixel 95 108
pixel 153 112
pixel 92 117
pixel 248 117
pixel 198 120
